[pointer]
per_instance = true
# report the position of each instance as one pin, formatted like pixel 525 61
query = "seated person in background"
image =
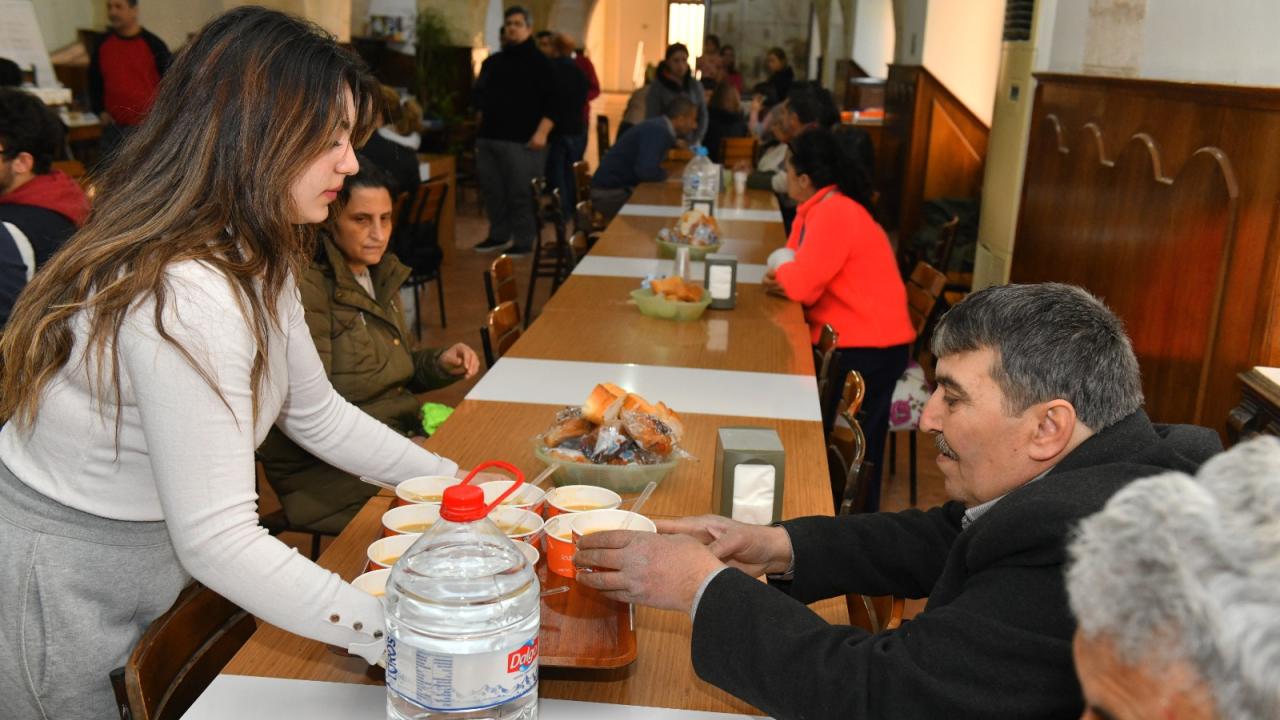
pixel 781 75
pixel 394 147
pixel 724 120
pixel 730 74
pixel 633 115
pixel 45 204
pixel 1176 589
pixel 675 80
pixel 845 274
pixel 771 169
pixel 351 296
pixel 637 156
pixel 710 65
pixel 15 268
pixel 10 73
pixel 1038 420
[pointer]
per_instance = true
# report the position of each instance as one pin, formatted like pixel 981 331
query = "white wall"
pixel 1225 41
pixel 873 36
pixel 962 49
pixel 909 26
pixel 59 20
pixel 616 30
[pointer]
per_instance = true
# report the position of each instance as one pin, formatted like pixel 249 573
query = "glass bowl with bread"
pixel 672 298
pixel 695 230
pixel 616 440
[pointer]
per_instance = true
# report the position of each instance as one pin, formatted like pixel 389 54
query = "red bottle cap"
pixel 463 503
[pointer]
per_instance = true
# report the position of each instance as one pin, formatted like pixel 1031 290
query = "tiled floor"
pixel 466 306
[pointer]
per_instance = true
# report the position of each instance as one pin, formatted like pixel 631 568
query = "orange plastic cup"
pixel 558 545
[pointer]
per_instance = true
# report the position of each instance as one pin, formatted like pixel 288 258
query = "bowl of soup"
pixel 580 498
pixel 384 553
pixel 373 582
pixel 517 523
pixel 424 489
pixel 526 496
pixel 409 519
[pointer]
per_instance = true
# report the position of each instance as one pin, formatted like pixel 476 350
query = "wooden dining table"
pixel 749 366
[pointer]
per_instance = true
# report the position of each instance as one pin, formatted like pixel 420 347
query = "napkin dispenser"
pixel 749 474
pixel 720 278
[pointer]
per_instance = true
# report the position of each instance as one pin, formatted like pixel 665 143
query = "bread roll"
pixel 635 403
pixel 671 419
pixel 602 397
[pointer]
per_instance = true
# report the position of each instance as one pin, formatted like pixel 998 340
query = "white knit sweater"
pixel 186 458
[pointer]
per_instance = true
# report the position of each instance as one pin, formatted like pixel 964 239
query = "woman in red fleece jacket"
pixel 845 274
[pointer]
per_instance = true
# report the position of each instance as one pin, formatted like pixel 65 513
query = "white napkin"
pixel 753 488
pixel 718 335
pixel 720 282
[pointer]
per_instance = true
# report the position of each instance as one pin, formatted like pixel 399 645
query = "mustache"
pixel 943 447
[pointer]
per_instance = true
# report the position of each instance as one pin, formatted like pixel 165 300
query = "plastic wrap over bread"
pixel 615 427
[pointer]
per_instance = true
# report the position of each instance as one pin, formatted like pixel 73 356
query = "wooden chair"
pixel 180 654
pixel 846 449
pixel 582 181
pixel 500 282
pixel 417 243
pixel 602 137
pixel 500 331
pixel 738 150
pixel 822 355
pixel 552 259
pixel 923 290
pixel 852 395
pixel 590 222
pixel 946 244
pixel 676 154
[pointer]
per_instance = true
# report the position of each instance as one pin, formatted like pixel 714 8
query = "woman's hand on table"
pixel 661 571
pixel 459 360
pixel 754 549
pixel 771 285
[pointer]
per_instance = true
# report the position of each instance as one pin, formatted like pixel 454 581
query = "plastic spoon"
pixel 542 476
pixel 639 503
pixel 379 483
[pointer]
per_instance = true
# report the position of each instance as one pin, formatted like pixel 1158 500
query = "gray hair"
pixel 1187 569
pixel 677 106
pixel 1051 341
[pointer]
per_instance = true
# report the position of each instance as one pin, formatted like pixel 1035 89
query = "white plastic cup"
pixel 580 498
pixel 740 181
pixel 373 582
pixel 527 497
pixel 424 489
pixel 517 523
pixel 385 552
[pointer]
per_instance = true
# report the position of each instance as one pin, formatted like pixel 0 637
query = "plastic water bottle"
pixel 701 177
pixel 463 613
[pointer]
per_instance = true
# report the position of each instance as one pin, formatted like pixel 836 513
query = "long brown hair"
pixel 254 98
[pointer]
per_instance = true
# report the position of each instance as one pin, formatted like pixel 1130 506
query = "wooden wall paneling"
pixel 937 147
pixel 1162 198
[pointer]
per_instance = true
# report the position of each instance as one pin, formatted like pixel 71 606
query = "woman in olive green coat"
pixel 351 296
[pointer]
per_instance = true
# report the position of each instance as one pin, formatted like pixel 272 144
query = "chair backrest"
pixel 582 180
pixel 676 154
pixel 946 243
pixel 822 361
pixel 73 169
pixel 851 396
pixel 182 652
pixel 500 331
pixel 924 287
pixel 500 281
pixel 602 135
pixel 848 443
pixel 399 208
pixel 416 240
pixel 738 150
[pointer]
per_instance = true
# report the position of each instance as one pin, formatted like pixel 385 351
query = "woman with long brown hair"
pixel 147 360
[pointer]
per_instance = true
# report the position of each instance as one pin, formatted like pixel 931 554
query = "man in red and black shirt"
pixel 125 70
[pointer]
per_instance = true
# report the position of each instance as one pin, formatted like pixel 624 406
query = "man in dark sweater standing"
pixel 1038 421
pixel 518 102
pixel 637 156
pixel 124 72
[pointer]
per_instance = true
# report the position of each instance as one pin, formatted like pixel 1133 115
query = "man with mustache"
pixel 1038 419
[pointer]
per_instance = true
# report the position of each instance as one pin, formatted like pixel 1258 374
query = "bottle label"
pixel 437 681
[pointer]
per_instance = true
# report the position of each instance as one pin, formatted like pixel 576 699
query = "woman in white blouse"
pixel 147 360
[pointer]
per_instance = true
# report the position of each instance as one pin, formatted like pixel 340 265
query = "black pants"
pixel 880 369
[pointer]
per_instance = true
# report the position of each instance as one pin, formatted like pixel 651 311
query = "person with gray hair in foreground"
pixel 1176 588
pixel 1038 421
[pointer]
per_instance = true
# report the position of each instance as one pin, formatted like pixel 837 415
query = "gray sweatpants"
pixel 505 169
pixel 76 593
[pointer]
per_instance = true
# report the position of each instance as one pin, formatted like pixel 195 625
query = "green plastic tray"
pixel 696 252
pixel 659 307
pixel 623 479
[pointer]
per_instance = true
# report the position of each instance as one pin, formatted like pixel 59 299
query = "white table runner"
pixel 748 274
pixel 240 697
pixel 722 213
pixel 687 390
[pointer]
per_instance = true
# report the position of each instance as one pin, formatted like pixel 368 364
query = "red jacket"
pixel 593 86
pixel 54 191
pixel 845 274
